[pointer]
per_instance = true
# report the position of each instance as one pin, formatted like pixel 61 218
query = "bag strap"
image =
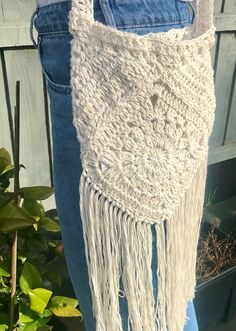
pixel 204 14
pixel 203 20
pixel 84 8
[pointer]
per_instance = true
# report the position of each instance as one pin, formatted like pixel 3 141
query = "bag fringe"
pixel 119 247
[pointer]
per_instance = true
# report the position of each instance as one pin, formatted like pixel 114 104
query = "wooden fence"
pixel 19 60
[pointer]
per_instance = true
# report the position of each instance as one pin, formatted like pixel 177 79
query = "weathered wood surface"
pixel 4 120
pixel 14 22
pixel 223 137
pixel 24 66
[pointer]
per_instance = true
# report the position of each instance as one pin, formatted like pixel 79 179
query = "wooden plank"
pixel 5 138
pixel 15 21
pixel 14 35
pixel 49 203
pixel 217 6
pixel 16 11
pixel 214 51
pixel 48 124
pixel 230 6
pixel 24 65
pixel 225 22
pixel 231 128
pixel 222 153
pixel 225 69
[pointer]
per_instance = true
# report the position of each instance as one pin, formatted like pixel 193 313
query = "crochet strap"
pixel 204 12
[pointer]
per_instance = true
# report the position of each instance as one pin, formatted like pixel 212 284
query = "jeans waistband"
pixel 54 18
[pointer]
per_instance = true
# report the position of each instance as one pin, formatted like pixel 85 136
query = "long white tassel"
pixel 182 239
pixel 119 247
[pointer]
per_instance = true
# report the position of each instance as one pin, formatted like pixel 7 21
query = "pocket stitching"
pixel 48 79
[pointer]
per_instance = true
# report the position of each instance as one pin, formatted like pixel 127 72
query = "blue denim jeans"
pixel 51 22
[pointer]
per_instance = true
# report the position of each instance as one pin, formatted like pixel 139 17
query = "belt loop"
pixel 32 26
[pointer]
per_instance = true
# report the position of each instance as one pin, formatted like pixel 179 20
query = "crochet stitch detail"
pixel 143 109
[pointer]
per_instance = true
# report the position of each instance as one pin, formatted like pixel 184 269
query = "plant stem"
pixel 13 279
pixel 16 202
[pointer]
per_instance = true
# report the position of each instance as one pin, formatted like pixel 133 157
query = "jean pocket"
pixel 54 53
pixel 144 14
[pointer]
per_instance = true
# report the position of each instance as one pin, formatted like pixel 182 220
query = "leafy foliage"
pixel 37 254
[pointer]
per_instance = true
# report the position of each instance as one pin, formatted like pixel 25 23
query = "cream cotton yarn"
pixel 143 108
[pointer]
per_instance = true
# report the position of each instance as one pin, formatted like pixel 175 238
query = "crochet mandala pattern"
pixel 143 108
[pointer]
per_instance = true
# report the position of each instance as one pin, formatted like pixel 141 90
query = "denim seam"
pixel 57 87
pixel 107 12
pixel 65 89
pixel 56 33
pixel 152 24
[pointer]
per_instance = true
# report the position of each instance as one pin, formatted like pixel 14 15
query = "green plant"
pixel 210 198
pixel 27 253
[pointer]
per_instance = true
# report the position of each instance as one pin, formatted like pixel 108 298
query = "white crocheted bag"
pixel 143 109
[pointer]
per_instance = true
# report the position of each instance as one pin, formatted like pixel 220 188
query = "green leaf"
pixel 3 327
pixel 31 326
pixel 8 171
pixel 52 243
pixel 42 209
pixel 32 207
pixel 5 291
pixel 5 159
pixel 44 318
pixel 5 198
pixel 39 298
pixel 48 224
pixel 22 258
pixel 13 217
pixel 26 315
pixel 37 192
pixel 30 278
pixel 4 321
pixel 4 182
pixel 4 318
pixel 64 307
pixel 30 319
pixel 4 273
pixel 4 288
